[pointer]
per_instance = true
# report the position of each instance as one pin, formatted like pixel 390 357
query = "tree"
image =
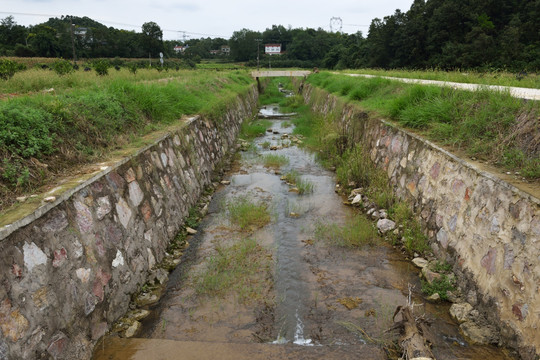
pixel 43 41
pixel 12 34
pixel 244 45
pixel 278 34
pixel 152 38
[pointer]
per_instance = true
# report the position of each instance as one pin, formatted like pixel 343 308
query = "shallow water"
pixel 305 296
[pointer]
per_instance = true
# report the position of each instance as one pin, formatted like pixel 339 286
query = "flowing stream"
pixel 318 298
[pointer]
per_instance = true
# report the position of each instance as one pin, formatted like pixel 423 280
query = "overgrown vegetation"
pixel 353 166
pixel 234 269
pixel 488 125
pixel 439 285
pixel 494 77
pixel 252 129
pixel 302 185
pixel 101 67
pixel 246 213
pixel 43 76
pixel 356 232
pixel 271 93
pixel 413 238
pixel 194 217
pixel 8 68
pixel 45 134
pixel 62 67
pixel 275 161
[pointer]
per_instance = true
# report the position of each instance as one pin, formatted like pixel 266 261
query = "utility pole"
pixel 258 43
pixel 72 40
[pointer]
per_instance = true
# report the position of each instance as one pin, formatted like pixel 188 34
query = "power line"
pixel 25 14
pixel 356 25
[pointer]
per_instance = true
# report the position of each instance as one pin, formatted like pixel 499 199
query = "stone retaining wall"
pixel 486 227
pixel 68 270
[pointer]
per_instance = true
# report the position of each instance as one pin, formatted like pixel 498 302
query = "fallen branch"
pixel 412 340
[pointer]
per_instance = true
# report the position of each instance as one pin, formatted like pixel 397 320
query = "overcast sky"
pixel 208 17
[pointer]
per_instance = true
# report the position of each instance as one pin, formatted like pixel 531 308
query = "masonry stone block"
pixel 33 256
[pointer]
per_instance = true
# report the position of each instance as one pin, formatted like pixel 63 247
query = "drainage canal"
pixel 267 276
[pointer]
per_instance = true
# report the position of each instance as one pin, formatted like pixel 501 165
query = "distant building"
pixel 215 52
pixel 225 49
pixel 80 31
pixel 272 49
pixel 180 49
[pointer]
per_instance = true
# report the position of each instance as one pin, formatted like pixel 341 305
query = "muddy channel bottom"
pixel 313 300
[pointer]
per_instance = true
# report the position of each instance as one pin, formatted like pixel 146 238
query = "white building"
pixel 225 49
pixel 179 48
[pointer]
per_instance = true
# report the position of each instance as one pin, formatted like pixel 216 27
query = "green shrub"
pixel 194 218
pixel 413 239
pixel 8 68
pixel 101 67
pixel 132 68
pixel 440 286
pixel 14 173
pixel 62 67
pixel 25 131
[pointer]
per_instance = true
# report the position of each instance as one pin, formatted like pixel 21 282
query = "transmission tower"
pixel 336 24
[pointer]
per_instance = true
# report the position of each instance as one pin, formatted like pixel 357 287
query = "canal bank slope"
pixel 68 269
pixel 487 228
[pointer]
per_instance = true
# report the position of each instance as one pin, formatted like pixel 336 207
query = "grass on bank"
pixel 240 269
pixel 44 134
pixel 488 125
pixel 503 78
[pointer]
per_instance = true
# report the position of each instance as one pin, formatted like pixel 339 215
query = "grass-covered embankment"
pixel 502 78
pixel 491 126
pixel 44 134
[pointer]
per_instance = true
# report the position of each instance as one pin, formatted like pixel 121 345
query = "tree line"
pixel 444 34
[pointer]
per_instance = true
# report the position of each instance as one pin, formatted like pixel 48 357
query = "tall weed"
pixel 480 122
pixel 356 232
